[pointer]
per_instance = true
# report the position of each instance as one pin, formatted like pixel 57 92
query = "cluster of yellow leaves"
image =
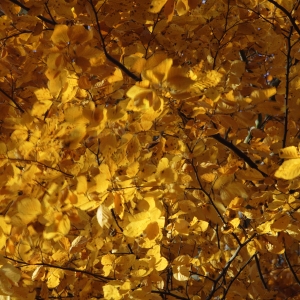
pixel 121 189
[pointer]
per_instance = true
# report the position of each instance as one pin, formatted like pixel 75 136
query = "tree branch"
pixel 108 56
pixel 287 87
pixel 285 11
pixel 226 267
pixel 239 153
pixel 39 163
pixel 237 275
pixel 46 20
pixel 291 268
pixel 259 272
pixel 98 276
pixel 12 99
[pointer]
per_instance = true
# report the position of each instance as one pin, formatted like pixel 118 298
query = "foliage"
pixel 149 149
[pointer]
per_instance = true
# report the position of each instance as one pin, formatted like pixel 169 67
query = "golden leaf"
pixel 54 277
pixel 79 34
pixel 262 95
pixel 181 273
pixel 60 36
pixel 136 228
pixel 289 152
pixel 281 223
pixel 290 169
pixel 158 74
pixel 156 6
pixel 235 222
pixel 28 210
pixel 104 216
pixel 182 7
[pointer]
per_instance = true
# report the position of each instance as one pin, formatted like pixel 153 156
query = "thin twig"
pixel 42 164
pixel 237 275
pixel 226 267
pixel 121 229
pixel 98 276
pixel 291 268
pixel 12 99
pixel 259 272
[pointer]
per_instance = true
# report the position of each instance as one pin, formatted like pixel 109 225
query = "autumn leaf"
pixel 149 149
pixel 289 169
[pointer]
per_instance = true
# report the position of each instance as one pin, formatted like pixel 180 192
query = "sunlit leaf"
pixel 290 169
pixel 104 216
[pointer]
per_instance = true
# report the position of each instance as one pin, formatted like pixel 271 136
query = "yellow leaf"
pixel 141 267
pixel 251 248
pixel 164 172
pixel 182 226
pixel 56 61
pixel 182 7
pixel 108 259
pixel 281 223
pixel 210 79
pixel 64 225
pixel 104 216
pixel 152 230
pixel 265 227
pixel 54 277
pixel 158 74
pixel 38 273
pixel 156 6
pixel 101 184
pixel 262 95
pixel 29 209
pixel 78 34
pixel 81 184
pixel 161 264
pixel 111 292
pixel 289 152
pixel 73 139
pixel 235 222
pixel 59 36
pixel 135 229
pixel 181 273
pixel 290 169
pixel 249 174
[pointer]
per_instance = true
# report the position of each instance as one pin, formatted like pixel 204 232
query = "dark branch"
pixel 259 272
pixel 226 267
pixel 239 153
pixel 39 163
pixel 290 17
pixel 121 229
pixel 98 276
pixel 291 268
pixel 12 99
pixel 287 87
pixel 46 20
pixel 237 275
pixel 108 56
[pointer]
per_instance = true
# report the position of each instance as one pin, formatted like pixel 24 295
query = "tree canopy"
pixel 149 149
